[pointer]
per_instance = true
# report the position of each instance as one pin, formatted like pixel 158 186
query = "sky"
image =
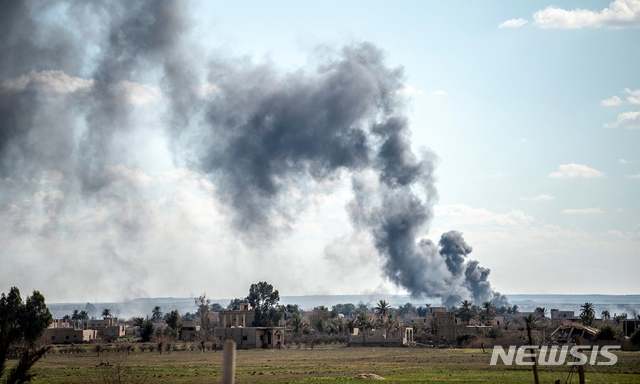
pixel 532 110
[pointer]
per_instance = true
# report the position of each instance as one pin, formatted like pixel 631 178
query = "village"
pixel 259 321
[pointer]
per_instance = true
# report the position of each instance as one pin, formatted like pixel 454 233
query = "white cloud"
pixel 635 177
pixel 49 81
pixel 582 211
pixel 465 215
pixel 613 101
pixel 627 120
pixel 619 13
pixel 410 91
pixel 623 161
pixel 542 197
pixel 633 96
pixel 513 23
pixel 574 171
pixel 439 92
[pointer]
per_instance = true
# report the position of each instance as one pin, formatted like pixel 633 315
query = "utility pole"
pixel 529 322
pixel 229 362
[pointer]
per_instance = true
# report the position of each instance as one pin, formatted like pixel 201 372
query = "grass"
pixel 320 365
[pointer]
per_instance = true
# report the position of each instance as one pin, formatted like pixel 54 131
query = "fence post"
pixel 229 362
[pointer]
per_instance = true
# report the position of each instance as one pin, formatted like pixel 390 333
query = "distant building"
pixel 108 328
pixel 237 324
pixel 252 337
pixel 434 310
pixel 242 317
pixel 190 330
pixel 444 325
pixel 402 336
pixel 56 334
pixel 559 315
pixel 630 326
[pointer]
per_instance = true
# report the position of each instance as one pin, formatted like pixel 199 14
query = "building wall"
pixel 68 335
pixel 251 337
pixel 237 318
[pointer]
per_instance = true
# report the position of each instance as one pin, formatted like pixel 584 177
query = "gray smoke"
pixel 454 250
pixel 268 134
pixel 261 136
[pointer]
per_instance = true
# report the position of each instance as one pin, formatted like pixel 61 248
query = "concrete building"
pixel 68 335
pixel 251 337
pixel 237 324
pixel 108 328
pixel 242 317
pixel 444 325
pixel 402 336
pixel 558 315
pixel 630 326
pixel 190 330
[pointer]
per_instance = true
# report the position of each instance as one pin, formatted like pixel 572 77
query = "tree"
pixel 488 310
pixel 465 311
pixel 541 312
pixel 234 304
pixel 203 303
pixel 146 331
pixel 137 321
pixel 345 309
pixel 263 298
pixel 407 310
pixel 587 313
pixel 606 315
pixel 382 309
pixel 106 313
pixel 90 309
pixel 173 321
pixel 297 324
pixel 21 325
pixel 156 314
pixel 215 307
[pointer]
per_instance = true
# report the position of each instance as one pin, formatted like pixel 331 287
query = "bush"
pixel 607 333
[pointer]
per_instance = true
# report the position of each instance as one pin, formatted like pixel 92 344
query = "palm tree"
pixel 541 311
pixel 488 310
pixel 465 311
pixel 106 313
pixel 156 314
pixel 606 315
pixel 382 308
pixel 587 314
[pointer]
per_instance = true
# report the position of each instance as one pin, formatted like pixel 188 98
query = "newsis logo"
pixel 555 355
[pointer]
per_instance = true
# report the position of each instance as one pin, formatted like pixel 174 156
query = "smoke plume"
pixel 70 102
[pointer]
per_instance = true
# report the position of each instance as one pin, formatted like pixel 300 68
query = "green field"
pixel 320 365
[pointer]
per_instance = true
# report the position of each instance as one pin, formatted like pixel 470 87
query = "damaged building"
pixel 237 325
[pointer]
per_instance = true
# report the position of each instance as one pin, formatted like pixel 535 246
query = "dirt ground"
pixel 320 365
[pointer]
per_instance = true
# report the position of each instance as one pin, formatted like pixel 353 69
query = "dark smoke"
pixel 454 250
pixel 260 135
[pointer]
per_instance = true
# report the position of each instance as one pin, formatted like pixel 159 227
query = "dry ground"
pixel 320 365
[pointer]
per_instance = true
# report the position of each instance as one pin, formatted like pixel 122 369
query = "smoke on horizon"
pixel 69 99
